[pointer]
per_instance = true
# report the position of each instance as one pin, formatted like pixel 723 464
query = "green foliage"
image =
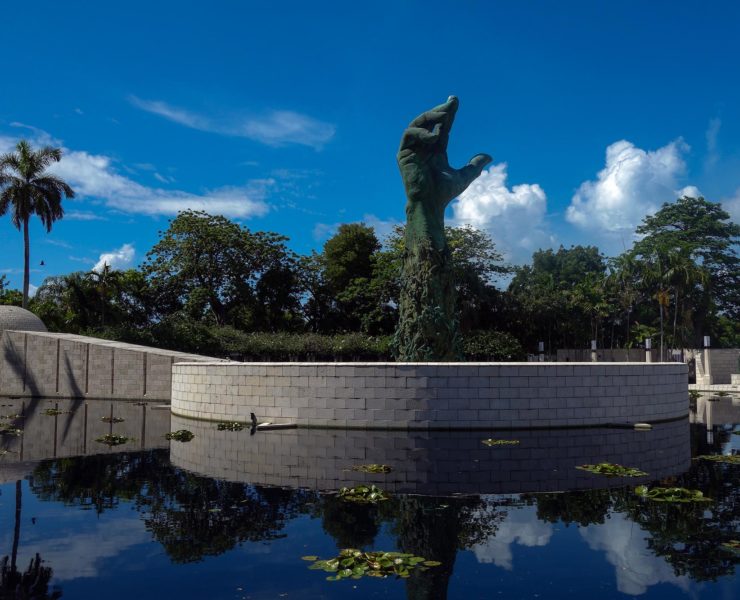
pixel 670 494
pixel 612 470
pixel 495 442
pixel 230 426
pixel 27 189
pixel 728 459
pixel 372 468
pixel 112 419
pixel 363 494
pixel 355 564
pixel 482 346
pixel 112 439
pixel 181 435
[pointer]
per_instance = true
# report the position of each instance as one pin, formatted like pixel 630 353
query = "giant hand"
pixel 427 175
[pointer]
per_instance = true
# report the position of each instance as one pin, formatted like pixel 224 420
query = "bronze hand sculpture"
pixel 427 328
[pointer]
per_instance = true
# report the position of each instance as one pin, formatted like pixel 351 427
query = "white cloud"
pixel 521 526
pixel 94 176
pixel 32 289
pixel 633 183
pixel 383 227
pixel 116 259
pixel 711 135
pixel 635 566
pixel 275 128
pixel 81 215
pixel 323 231
pixel 515 218
pixel 732 206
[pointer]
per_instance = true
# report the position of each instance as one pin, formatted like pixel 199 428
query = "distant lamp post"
pixel 594 356
pixel 648 348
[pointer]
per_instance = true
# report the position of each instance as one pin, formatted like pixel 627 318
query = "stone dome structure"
pixel 16 318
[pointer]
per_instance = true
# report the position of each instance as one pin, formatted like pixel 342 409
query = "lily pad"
pixel 494 442
pixel 356 564
pixel 694 395
pixel 181 435
pixel 230 426
pixel 112 439
pixel 363 494
pixel 670 494
pixel 8 430
pixel 53 412
pixel 722 394
pixel 730 459
pixel 373 468
pixel 612 470
pixel 112 419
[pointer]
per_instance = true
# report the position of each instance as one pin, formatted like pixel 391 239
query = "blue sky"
pixel 287 116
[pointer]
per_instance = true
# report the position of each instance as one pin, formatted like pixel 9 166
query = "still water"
pixel 230 513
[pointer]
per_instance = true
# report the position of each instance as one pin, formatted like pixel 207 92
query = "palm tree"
pixel 27 189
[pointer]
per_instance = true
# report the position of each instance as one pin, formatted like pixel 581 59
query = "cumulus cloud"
pixel 275 128
pixel 514 217
pixel 95 176
pixel 635 566
pixel 732 206
pixel 521 526
pixel 122 258
pixel 633 183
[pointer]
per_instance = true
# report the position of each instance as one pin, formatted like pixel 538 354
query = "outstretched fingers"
pixel 471 171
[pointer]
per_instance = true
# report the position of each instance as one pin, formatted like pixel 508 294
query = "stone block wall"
pixel 432 462
pixel 39 364
pixel 432 395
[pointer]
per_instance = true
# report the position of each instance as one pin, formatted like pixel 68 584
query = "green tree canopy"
pixel 27 189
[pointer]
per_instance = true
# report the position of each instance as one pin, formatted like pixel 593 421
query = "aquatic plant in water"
pixel 694 395
pixel 730 459
pixel 612 470
pixel 732 546
pixel 355 564
pixel 112 439
pixel 181 435
pixel 372 468
pixel 112 419
pixel 230 426
pixel 493 442
pixel 363 494
pixel 8 430
pixel 53 412
pixel 671 494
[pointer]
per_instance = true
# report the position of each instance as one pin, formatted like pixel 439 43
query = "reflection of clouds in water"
pixel 79 549
pixel 521 526
pixel 636 567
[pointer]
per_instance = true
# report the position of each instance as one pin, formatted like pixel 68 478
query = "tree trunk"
pixel 660 306
pixel 17 529
pixel 26 262
pixel 675 316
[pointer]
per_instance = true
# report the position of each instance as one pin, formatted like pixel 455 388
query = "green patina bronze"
pixel 427 326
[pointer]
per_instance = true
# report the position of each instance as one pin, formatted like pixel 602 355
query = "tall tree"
pixel 694 230
pixel 27 189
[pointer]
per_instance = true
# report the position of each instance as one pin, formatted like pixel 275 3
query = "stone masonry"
pixel 432 395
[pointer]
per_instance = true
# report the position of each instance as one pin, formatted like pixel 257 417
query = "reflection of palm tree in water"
pixel 33 584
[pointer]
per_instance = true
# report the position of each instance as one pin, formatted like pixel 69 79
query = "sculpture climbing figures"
pixel 427 326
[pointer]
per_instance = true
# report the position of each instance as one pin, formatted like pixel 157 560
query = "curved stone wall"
pixel 432 462
pixel 432 395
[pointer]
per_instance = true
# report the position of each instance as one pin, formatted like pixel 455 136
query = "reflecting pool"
pixel 231 514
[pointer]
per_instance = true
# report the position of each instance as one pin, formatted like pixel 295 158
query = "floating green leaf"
pixel 363 494
pixel 53 412
pixel 730 459
pixel 355 564
pixel 8 430
pixel 722 394
pixel 612 470
pixel 230 426
pixel 111 439
pixel 694 395
pixel 671 494
pixel 373 468
pixel 181 435
pixel 112 419
pixel 493 442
